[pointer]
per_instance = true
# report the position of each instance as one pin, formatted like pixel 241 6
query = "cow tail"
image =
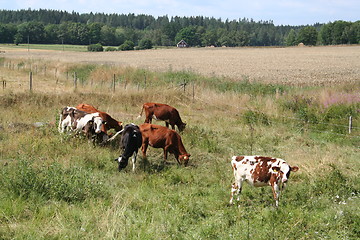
pixel 142 109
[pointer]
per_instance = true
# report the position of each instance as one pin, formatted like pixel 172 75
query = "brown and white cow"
pixel 110 123
pixel 260 171
pixel 163 112
pixel 79 121
pixel 167 139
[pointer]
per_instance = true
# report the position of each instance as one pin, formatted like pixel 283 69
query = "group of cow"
pixel 257 171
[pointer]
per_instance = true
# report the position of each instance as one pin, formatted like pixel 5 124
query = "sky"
pixel 281 12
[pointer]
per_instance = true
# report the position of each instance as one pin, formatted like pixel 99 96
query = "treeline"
pixel 61 27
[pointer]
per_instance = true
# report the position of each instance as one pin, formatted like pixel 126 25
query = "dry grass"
pixel 294 65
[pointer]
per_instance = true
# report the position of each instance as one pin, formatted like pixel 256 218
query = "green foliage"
pixel 82 71
pixel 307 35
pixel 291 38
pixel 254 117
pixel 95 48
pixel 110 49
pixel 245 86
pixel 127 45
pixel 145 44
pixel 52 182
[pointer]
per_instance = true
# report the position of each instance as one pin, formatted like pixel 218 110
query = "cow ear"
pixel 294 168
pixel 275 169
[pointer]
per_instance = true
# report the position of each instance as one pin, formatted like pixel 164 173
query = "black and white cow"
pixel 130 143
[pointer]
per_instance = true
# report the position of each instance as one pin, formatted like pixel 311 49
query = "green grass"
pixel 57 47
pixel 56 186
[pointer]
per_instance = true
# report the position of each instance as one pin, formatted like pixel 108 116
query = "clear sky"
pixel 281 12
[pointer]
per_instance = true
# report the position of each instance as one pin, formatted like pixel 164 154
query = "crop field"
pixel 301 104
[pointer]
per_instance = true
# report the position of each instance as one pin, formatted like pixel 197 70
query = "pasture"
pixel 291 103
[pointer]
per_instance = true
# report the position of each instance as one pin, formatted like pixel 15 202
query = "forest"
pixel 62 27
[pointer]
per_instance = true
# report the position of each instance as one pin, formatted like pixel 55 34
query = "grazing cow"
pixel 163 112
pixel 162 137
pixel 131 141
pixel 78 121
pixel 260 171
pixel 110 123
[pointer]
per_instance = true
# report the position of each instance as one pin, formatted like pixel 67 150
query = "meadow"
pixel 55 186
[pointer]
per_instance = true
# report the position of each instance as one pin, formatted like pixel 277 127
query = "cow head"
pixel 119 126
pixel 283 173
pixel 184 159
pixel 122 162
pixel 182 127
pixel 98 122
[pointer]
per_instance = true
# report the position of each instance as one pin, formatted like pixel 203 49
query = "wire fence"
pixel 113 84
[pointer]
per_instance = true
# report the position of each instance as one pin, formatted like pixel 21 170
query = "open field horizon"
pixel 290 65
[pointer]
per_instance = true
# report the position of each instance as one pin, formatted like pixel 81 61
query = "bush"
pixel 145 44
pixel 95 48
pixel 254 117
pixel 127 45
pixel 110 49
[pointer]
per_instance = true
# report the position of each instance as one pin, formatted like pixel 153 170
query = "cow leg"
pixel 276 193
pixel 144 147
pixel 167 124
pixel 165 153
pixel 235 190
pixel 134 160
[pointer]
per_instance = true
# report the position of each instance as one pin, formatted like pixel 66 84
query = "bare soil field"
pixel 291 65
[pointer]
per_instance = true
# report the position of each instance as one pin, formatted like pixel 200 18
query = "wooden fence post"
pixel 75 81
pixel 114 80
pixel 350 124
pixel 193 91
pixel 4 84
pixel 30 80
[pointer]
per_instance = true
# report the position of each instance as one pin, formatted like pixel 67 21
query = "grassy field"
pixel 56 186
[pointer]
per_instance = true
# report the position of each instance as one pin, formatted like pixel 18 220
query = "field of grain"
pixel 292 65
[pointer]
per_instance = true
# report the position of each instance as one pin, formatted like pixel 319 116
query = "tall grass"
pixel 56 186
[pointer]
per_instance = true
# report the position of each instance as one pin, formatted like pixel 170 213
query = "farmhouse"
pixel 182 44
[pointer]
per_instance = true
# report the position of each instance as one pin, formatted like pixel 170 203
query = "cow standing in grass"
pixel 109 122
pixel 131 141
pixel 167 139
pixel 260 171
pixel 163 112
pixel 79 121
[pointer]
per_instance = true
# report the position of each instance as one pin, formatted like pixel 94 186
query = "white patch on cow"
pixel 66 123
pixel 81 123
pixel 119 159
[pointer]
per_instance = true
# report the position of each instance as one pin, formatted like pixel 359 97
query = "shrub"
pixel 95 48
pixel 127 45
pixel 254 117
pixel 110 49
pixel 145 44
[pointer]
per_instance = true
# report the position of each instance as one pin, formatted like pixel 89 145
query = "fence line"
pixel 182 87
pixel 293 118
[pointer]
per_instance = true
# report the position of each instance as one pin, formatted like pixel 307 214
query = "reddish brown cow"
pixel 110 123
pixel 167 139
pixel 159 111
